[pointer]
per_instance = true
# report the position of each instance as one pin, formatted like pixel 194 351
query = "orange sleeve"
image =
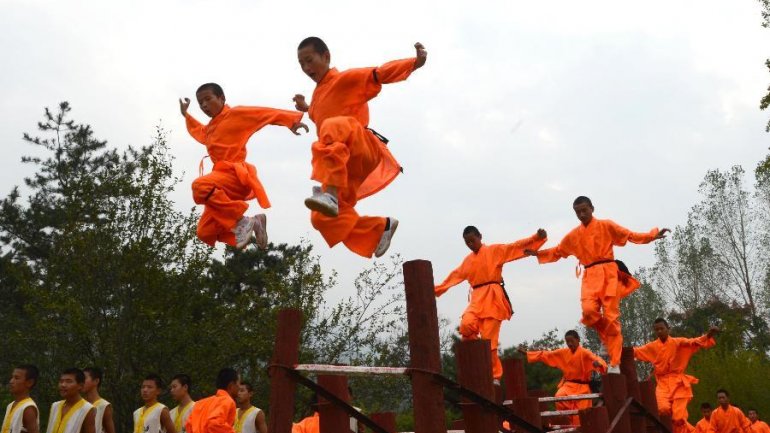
pixel 394 71
pixel 645 353
pixel 550 358
pixel 620 235
pixel 221 419
pixel 744 422
pixel 454 278
pixel 509 252
pixel 702 342
pixel 602 365
pixel 256 118
pixel 551 255
pixel 195 128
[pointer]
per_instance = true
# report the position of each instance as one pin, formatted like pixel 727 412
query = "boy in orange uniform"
pixel 727 418
pixel 604 282
pixel 216 414
pixel 757 426
pixel 483 269
pixel 669 357
pixel 225 190
pixel 703 425
pixel 576 364
pixel 350 160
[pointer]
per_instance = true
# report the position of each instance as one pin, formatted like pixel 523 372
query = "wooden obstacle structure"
pixel 629 406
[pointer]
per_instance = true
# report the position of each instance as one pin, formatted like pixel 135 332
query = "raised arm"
pixel 516 250
pixel 454 278
pixel 620 235
pixel 195 128
pixel 705 341
pixel 645 353
pixel 253 119
pixel 550 358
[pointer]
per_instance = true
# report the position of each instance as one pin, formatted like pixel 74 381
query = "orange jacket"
pixel 670 360
pixel 486 266
pixel 760 427
pixel 575 366
pixel 311 424
pixel 215 414
pixel 730 420
pixel 227 133
pixel 702 426
pixel 593 243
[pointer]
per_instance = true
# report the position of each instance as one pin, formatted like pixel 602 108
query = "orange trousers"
pixel 572 388
pixel 345 154
pixel 672 398
pixel 472 326
pixel 603 314
pixel 223 197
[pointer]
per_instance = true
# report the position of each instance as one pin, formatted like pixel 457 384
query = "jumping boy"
pixel 350 161
pixel 225 190
pixel 669 357
pixel 22 414
pixel 73 414
pixel 103 419
pixel 483 269
pixel 576 364
pixel 604 282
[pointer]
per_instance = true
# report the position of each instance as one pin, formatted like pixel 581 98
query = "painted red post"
pixel 628 369
pixel 282 387
pixel 474 372
pixel 594 420
pixel 333 419
pixel 527 408
pixel 424 347
pixel 615 393
pixel 514 377
pixel 386 420
pixel 647 389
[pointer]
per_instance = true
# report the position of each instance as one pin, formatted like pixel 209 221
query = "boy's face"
pixel 313 64
pixel 752 414
pixel 69 386
pixel 723 399
pixel 150 390
pixel 572 342
pixel 584 212
pixel 661 330
pixel 706 412
pixel 210 103
pixel 90 383
pixel 473 241
pixel 177 390
pixel 244 396
pixel 18 382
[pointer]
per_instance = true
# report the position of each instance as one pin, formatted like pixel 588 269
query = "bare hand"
pixel 529 252
pixel 713 330
pixel 184 104
pixel 662 233
pixel 421 55
pixel 296 127
pixel 521 349
pixel 300 104
pixel 542 234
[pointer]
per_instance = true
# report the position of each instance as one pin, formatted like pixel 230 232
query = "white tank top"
pixel 147 419
pixel 72 421
pixel 245 422
pixel 180 420
pixel 14 416
pixel 101 406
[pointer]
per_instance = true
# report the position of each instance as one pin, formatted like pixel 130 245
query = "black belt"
pixel 582 382
pixel 621 266
pixel 379 136
pixel 502 285
pixel 600 262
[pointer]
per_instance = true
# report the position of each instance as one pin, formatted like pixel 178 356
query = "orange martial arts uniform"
pixel 576 371
pixel 489 304
pixel 311 424
pixel 702 426
pixel 603 284
pixel 225 190
pixel 759 426
pixel 215 414
pixel 674 388
pixel 349 156
pixel 730 420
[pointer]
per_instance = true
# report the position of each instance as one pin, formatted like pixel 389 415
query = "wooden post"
pixel 282 387
pixel 649 401
pixel 594 420
pixel 514 377
pixel 614 393
pixel 333 419
pixel 628 369
pixel 474 362
pixel 528 409
pixel 386 420
pixel 424 347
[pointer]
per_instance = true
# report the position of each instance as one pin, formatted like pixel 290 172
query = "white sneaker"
pixel 496 382
pixel 387 235
pixel 613 369
pixel 243 231
pixel 323 202
pixel 260 230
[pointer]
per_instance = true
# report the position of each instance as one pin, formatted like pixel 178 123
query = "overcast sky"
pixel 522 106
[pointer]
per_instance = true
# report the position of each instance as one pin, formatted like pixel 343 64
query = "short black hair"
pixel 751 409
pixel 582 199
pixel 155 378
pixel 31 372
pixel 723 391
pixel 572 333
pixel 247 385
pixel 80 377
pixel 183 380
pixel 471 230
pixel 319 46
pixel 661 320
pixel 705 405
pixel 225 377
pixel 214 87
pixel 94 373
